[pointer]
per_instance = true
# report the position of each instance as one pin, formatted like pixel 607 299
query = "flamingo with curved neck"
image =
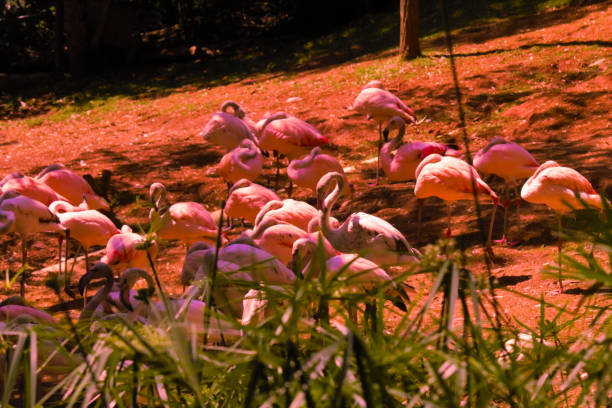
pixel 289 211
pixel 244 162
pixel 378 240
pixel 402 165
pixel 379 104
pixel 308 171
pixel 99 271
pixel 226 129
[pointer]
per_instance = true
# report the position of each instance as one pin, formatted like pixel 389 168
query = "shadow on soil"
pixel 367 38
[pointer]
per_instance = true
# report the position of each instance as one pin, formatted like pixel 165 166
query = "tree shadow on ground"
pixel 370 37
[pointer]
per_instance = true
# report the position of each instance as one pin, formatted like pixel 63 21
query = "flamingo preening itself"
pixel 308 171
pixel 244 162
pixel 74 188
pixel 226 130
pixel 377 103
pixel 511 162
pixel 289 211
pixel 30 187
pixel 562 189
pixel 373 237
pixel 450 179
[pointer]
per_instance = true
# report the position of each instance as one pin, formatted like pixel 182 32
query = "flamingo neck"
pixel 99 296
pixel 61 207
pixel 307 161
pixel 328 203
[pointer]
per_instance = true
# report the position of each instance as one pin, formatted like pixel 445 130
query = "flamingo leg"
pixel 277 162
pixel 23 265
pixel 559 247
pixel 448 215
pixel 59 254
pixel 490 236
pixel 518 210
pixel 420 202
pixel 379 147
pixel 66 273
pixel 290 187
pixel 506 204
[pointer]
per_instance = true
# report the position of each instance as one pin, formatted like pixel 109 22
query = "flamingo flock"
pixel 285 232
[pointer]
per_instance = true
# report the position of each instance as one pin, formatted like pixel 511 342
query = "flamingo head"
pixel 95 202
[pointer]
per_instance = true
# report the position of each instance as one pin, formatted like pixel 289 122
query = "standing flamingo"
pixel 245 199
pixel 379 241
pixel 186 221
pixel 72 186
pixel 30 187
pixel 126 250
pixel 510 161
pixel 562 189
pixel 88 227
pixel 25 216
pixel 308 171
pixel 403 165
pixel 226 130
pixel 244 162
pixel 290 136
pixel 450 179
pixel 377 103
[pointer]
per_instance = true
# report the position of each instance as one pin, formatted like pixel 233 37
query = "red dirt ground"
pixel 544 81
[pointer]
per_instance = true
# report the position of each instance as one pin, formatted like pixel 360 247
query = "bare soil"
pixel 544 81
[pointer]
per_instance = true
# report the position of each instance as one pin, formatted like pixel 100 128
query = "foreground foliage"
pixel 452 347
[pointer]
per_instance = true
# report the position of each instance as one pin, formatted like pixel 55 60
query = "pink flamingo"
pixel 290 136
pixel 563 190
pixel 377 103
pixel 246 198
pixel 244 162
pixel 16 306
pixel 403 165
pixel 240 114
pixel 25 216
pixel 510 161
pixel 72 186
pixel 226 130
pixel 362 274
pixel 186 221
pixel 307 171
pixel 88 227
pixel 122 250
pixel 298 213
pixel 30 187
pixel 278 238
pixel 450 179
pixel 379 241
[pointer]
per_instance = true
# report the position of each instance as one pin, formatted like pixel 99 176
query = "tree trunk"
pixel 409 29
pixel 77 37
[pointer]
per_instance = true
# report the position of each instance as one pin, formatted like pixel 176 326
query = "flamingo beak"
pixel 386 134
